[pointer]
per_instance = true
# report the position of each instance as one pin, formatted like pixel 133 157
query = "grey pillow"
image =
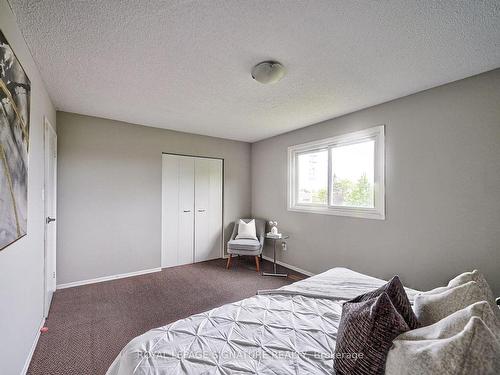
pixel 465 342
pixel 432 307
pixel 365 334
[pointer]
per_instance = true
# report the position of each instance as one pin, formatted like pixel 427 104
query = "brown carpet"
pixel 89 325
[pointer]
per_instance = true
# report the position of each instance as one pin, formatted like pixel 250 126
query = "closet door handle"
pixel 201 210
pixel 187 211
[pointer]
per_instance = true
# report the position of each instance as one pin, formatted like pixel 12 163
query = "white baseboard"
pixel 32 350
pixel 107 278
pixel 297 269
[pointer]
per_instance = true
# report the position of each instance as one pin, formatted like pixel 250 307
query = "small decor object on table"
pixel 15 90
pixel 274 230
pixel 274 238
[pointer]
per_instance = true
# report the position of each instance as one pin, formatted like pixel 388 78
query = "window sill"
pixel 364 213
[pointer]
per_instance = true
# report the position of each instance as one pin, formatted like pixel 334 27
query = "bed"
pixel 291 330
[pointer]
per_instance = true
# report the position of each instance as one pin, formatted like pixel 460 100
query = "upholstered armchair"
pixel 248 247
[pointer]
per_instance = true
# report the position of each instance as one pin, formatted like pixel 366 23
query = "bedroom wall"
pixel 21 263
pixel 109 192
pixel 442 189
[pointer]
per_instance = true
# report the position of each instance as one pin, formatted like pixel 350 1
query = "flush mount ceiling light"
pixel 268 72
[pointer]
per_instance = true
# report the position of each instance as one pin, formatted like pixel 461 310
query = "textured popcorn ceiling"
pixel 185 65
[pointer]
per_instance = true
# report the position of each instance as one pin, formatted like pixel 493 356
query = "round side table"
pixel 274 239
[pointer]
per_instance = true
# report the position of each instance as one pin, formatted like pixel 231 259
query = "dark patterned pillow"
pixel 396 292
pixel 365 335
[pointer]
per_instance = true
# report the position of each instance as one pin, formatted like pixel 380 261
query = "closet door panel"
pixel 202 189
pixel 170 208
pixel 215 209
pixel 208 209
pixel 186 211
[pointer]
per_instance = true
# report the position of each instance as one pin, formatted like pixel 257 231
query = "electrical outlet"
pixel 283 246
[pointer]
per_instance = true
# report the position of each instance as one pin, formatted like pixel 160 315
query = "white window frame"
pixel 377 134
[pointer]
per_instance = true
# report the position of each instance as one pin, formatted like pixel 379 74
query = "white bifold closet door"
pixel 208 209
pixel 192 209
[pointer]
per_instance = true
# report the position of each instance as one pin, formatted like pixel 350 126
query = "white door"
pixel 170 210
pixel 50 201
pixel 208 209
pixel 177 210
pixel 186 211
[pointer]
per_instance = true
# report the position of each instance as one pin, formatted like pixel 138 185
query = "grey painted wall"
pixel 109 192
pixel 442 189
pixel 22 263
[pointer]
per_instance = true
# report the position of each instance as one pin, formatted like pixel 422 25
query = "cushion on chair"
pixel 246 230
pixel 243 244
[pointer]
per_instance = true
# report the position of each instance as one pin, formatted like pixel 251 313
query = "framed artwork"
pixel 15 91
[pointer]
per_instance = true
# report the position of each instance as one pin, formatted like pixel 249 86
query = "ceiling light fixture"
pixel 268 72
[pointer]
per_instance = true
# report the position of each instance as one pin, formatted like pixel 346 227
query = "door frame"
pixel 47 127
pixel 163 198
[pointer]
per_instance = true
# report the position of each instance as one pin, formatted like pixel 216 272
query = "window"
pixel 343 175
pixel 313 177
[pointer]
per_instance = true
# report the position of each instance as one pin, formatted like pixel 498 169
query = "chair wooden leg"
pixel 228 262
pixel 257 263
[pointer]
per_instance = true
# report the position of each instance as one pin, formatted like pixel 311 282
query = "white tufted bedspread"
pixel 291 330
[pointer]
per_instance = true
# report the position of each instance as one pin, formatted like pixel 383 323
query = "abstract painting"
pixel 15 89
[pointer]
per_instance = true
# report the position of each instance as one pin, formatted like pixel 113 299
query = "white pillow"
pixel 465 342
pixel 430 308
pixel 455 322
pixel 473 276
pixel 465 278
pixel 246 230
